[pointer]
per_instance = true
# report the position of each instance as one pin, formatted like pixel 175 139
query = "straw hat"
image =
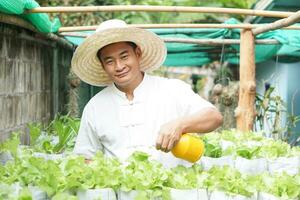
pixel 86 64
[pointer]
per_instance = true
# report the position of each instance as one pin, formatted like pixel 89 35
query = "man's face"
pixel 121 62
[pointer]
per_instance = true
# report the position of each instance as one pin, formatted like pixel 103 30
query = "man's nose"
pixel 119 65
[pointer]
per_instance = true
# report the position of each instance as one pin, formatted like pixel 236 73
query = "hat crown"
pixel 86 64
pixel 113 23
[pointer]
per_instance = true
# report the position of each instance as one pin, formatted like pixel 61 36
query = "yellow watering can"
pixel 189 148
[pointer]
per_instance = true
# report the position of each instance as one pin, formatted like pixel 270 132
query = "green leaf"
pixel 64 196
pixel 25 194
pixel 248 152
pixel 212 149
pixel 35 131
pixel 11 145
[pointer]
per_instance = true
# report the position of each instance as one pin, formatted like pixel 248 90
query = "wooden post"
pixel 245 112
pixel 55 82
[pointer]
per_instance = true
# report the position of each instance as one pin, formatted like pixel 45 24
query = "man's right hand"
pixel 169 135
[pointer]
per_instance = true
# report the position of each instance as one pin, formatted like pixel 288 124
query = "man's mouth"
pixel 121 74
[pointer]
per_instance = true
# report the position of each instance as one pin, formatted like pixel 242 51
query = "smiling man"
pixel 135 111
pixel 121 63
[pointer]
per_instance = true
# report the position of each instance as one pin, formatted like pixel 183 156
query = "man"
pixel 135 111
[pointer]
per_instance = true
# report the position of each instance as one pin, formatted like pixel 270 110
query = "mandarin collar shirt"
pixel 116 126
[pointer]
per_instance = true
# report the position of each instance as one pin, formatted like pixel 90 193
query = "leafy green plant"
pixel 140 173
pixel 11 145
pixel 270 111
pixel 182 177
pixel 249 145
pixel 280 185
pixel 60 179
pixel 212 149
pixel 59 136
pixel 247 152
pixel 66 128
pixel 149 174
pixel 229 180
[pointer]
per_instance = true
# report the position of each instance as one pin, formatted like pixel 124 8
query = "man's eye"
pixel 124 57
pixel 109 62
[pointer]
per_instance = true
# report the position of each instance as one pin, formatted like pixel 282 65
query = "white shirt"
pixel 113 124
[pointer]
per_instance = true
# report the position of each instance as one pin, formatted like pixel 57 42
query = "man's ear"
pixel 138 52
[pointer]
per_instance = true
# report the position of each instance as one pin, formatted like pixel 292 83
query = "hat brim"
pixel 86 65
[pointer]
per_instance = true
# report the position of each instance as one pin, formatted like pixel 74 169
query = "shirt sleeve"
pixel 87 141
pixel 188 101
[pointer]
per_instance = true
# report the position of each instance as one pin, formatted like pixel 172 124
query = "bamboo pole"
pixel 245 112
pixel 215 41
pixel 147 8
pixel 229 26
pixel 278 24
pixel 77 28
pixel 191 41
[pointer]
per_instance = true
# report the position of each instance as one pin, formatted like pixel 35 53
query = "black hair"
pixel 132 44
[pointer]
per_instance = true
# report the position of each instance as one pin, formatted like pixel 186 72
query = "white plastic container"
pixel 176 194
pixel 266 196
pixel 284 164
pixel 218 195
pixel 93 194
pixel 48 156
pixel 131 195
pixel 192 194
pixel 37 193
pixel 208 162
pixel 226 144
pixel 4 157
pixel 253 166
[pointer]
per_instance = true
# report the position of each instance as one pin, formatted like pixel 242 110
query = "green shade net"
pixel 180 54
pixel 39 20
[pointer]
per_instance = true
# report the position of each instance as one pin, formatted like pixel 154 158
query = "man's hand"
pixel 203 121
pixel 169 135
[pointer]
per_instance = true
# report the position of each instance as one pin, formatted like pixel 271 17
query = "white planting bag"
pixel 253 166
pixel 127 195
pixel 225 144
pixel 218 195
pixel 284 164
pixel 37 193
pixel 253 143
pixel 48 156
pixel 266 196
pixel 208 162
pixel 93 194
pixel 16 187
pixel 4 157
pixel 9 191
pixel 192 194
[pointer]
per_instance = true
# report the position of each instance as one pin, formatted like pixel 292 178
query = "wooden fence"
pixel 33 74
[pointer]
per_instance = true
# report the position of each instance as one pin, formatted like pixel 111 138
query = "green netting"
pixel 39 20
pixel 180 54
